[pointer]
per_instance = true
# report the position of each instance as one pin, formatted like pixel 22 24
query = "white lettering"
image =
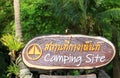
pixel 45 58
pixel 92 58
pixel 66 58
pixel 77 60
pixel 63 59
pixel 102 59
pixel 88 58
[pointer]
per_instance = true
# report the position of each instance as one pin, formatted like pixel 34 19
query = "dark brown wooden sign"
pixel 68 52
pixel 81 76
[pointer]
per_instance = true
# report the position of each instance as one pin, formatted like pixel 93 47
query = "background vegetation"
pixel 41 17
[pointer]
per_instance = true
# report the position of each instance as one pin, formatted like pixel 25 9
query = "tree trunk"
pixel 116 62
pixel 24 71
pixel 18 31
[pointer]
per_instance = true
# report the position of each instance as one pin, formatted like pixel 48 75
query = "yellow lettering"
pixel 60 47
pixel 85 48
pixel 97 47
pixel 79 47
pixel 75 48
pixel 91 47
pixel 47 46
pixel 66 47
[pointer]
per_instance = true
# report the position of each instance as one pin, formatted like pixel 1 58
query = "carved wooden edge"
pixel 63 67
pixel 79 76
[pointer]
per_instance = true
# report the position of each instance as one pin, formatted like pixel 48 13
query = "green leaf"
pixel 13 69
pixel 11 42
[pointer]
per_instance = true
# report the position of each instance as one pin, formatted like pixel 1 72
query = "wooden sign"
pixel 81 76
pixel 68 52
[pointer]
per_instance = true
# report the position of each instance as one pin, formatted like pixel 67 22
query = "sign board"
pixel 68 52
pixel 81 76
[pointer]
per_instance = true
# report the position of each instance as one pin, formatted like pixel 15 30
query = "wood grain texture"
pixel 68 52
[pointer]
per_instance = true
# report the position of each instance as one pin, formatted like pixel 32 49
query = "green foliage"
pixel 11 42
pixel 109 15
pixel 39 17
pixel 13 69
pixel 6 16
pixel 108 19
pixel 76 72
pixel 73 72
